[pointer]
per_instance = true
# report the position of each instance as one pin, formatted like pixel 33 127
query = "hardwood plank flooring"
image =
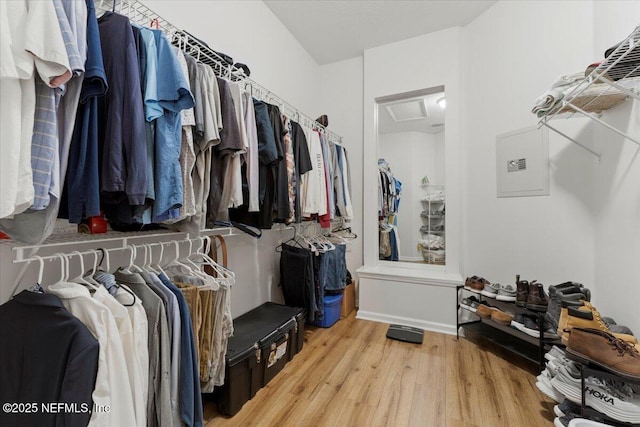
pixel 352 375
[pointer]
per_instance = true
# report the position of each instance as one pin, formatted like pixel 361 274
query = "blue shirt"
pixel 82 188
pixel 189 381
pixel 173 96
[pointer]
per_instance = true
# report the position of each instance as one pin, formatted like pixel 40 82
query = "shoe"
pixel 544 385
pixel 555 305
pixel 615 399
pixel 619 329
pixel 530 327
pixel 537 299
pixel 562 321
pixel 501 317
pixel 588 317
pixel 600 348
pixel 566 407
pixel 555 353
pixel 518 321
pixel 471 303
pixel 484 311
pixel 574 419
pixel 490 290
pixel 574 294
pixel 568 382
pixel 522 291
pixel 507 293
pixel 475 283
pixel 565 285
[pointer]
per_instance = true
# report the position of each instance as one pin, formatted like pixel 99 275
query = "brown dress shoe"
pixel 475 283
pixel 604 350
pixel 501 317
pixel 484 311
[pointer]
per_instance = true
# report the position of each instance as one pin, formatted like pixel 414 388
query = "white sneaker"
pixel 613 398
pixel 506 293
pixel 567 381
pixel 554 353
pixel 490 290
pixel 544 385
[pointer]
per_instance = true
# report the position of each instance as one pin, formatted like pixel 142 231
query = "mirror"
pixel 411 177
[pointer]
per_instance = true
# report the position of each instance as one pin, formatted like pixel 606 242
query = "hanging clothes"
pixel 122 135
pixel 159 395
pixel 112 381
pixel 43 51
pixel 38 324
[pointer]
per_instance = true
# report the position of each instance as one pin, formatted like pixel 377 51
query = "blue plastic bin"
pixel 332 304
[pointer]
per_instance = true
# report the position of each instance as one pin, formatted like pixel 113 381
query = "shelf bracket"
pixel 602 122
pixel 545 123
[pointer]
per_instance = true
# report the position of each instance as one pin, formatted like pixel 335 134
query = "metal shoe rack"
pixel 587 411
pixel 530 348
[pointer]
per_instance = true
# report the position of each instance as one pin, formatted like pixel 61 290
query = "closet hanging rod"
pixel 137 246
pixel 140 14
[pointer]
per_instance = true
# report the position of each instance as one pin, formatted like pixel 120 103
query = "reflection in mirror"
pixel 411 177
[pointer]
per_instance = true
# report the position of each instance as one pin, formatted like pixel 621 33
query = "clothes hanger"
pixel 148 261
pixel 37 288
pixel 89 275
pixel 175 264
pixel 40 269
pixel 62 270
pixel 194 268
pixel 80 278
pixel 292 239
pixel 130 268
pixel 222 271
pixel 158 267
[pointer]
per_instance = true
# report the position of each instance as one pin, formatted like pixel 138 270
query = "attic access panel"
pixel 522 163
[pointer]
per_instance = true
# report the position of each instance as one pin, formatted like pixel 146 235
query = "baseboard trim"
pixel 407 321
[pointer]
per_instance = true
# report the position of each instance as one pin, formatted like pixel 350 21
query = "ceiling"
pixel 333 30
pixel 433 123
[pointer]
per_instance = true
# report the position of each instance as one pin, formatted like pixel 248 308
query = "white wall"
pixel 508 63
pixel 250 33
pixel 616 184
pixel 588 229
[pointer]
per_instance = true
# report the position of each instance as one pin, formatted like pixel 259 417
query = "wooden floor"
pixel 352 375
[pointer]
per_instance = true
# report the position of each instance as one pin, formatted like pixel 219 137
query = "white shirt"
pixel 139 323
pixel 112 380
pixel 121 316
pixel 30 40
pixel 252 152
pixel 313 188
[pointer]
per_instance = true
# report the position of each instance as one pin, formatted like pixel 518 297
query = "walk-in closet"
pixel 319 213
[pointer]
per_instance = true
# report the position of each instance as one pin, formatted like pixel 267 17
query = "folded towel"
pixel 547 101
pixel 567 79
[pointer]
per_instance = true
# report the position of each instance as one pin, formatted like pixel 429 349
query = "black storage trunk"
pixel 263 341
